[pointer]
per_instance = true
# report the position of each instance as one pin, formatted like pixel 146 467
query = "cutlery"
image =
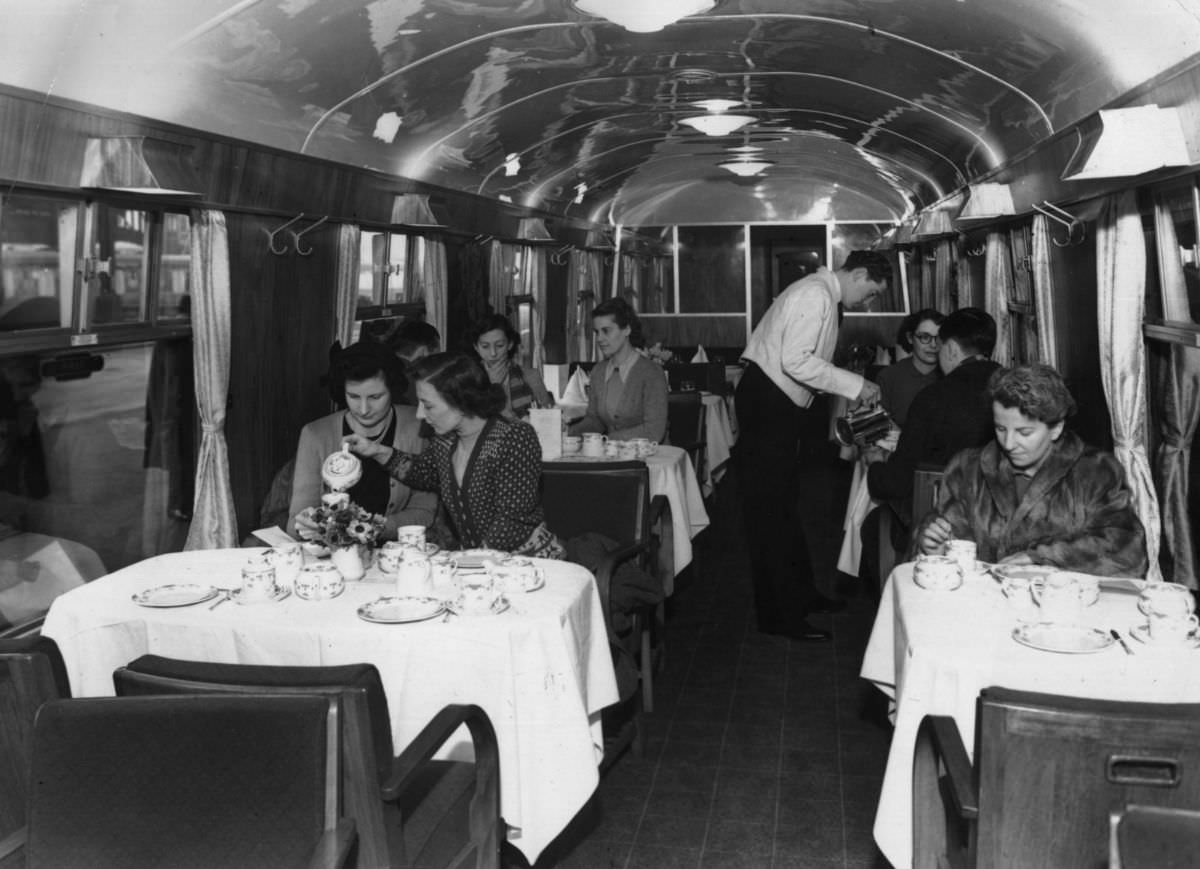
pixel 225 593
pixel 1116 636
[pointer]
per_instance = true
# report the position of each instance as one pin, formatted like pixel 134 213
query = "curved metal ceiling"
pixel 866 108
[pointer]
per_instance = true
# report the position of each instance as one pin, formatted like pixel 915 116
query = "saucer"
pixel 1141 633
pixel 1066 639
pixel 279 594
pixel 498 606
pixel 174 595
pixel 473 559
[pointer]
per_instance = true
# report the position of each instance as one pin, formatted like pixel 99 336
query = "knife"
pixel 1121 640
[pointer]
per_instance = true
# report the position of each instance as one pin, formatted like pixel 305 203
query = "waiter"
pixel 787 364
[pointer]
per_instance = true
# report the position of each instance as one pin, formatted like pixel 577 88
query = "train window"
pixel 174 268
pixel 95 473
pixel 384 271
pixel 37 262
pixel 520 314
pixel 712 269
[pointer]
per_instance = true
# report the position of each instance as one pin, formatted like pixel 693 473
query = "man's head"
pixel 965 333
pixel 414 340
pixel 863 276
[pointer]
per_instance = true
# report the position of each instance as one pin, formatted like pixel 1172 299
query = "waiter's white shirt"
pixel 795 340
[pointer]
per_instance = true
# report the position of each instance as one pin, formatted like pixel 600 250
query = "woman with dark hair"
pixel 486 468
pixel 366 381
pixel 900 382
pixel 1038 494
pixel 628 394
pixel 495 342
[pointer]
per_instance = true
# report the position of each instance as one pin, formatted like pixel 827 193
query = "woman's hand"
pixel 935 536
pixel 368 449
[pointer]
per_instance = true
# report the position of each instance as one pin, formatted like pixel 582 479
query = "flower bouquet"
pixel 342 523
pixel 660 354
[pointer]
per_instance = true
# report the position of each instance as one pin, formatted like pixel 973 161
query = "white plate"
pixel 279 594
pixel 456 606
pixel 399 610
pixel 1141 633
pixel 1067 639
pixel 473 559
pixel 175 595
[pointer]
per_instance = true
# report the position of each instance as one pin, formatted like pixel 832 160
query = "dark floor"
pixel 760 752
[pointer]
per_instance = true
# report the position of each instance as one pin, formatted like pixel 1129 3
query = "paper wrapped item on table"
pixel 700 356
pixel 576 391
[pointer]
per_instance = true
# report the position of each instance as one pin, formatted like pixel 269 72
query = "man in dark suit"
pixel 951 415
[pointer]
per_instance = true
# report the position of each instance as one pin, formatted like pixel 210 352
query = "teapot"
pixel 414 575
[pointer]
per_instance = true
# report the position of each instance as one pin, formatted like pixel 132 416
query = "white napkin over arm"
pixel 700 356
pixel 576 391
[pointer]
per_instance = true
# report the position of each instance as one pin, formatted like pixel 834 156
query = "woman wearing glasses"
pixel 900 383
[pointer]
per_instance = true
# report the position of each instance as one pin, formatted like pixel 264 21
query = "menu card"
pixel 548 425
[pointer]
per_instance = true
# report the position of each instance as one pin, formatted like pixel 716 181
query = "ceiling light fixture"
pixel 643 16
pixel 139 164
pixel 716 106
pixel 717 125
pixel 1122 143
pixel 746 150
pixel 746 168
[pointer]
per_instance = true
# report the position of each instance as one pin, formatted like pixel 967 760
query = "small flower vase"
pixel 349 561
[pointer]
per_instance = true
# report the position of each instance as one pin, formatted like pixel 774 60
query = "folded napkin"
pixel 576 391
pixel 700 356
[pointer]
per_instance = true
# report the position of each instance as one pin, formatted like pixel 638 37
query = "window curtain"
pixel 214 522
pixel 593 287
pixel 943 281
pixel 1180 402
pixel 928 277
pixel 533 283
pixel 576 286
pixel 345 303
pixel 967 297
pixel 1043 291
pixel 1121 278
pixel 502 264
pixel 997 284
pixel 436 283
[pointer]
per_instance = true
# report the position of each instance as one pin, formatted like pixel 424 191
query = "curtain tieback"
pixel 212 427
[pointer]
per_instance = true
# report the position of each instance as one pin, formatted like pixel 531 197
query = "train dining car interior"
pixel 197 200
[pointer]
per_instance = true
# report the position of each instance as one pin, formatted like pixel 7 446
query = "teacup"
pixel 287 559
pixel 571 444
pixel 612 449
pixel 937 572
pixel 411 535
pixel 477 592
pixel 1089 586
pixel 415 574
pixel 964 553
pixel 314 578
pixel 1061 597
pixel 442 567
pixel 627 451
pixel 390 555
pixel 516 575
pixel 1173 628
pixel 645 447
pixel 593 444
pixel 1167 599
pixel 1018 591
pixel 258 580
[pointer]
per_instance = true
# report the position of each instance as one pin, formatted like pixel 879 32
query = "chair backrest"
pixel 1152 837
pixel 609 498
pixel 708 376
pixel 31 673
pixel 685 418
pixel 182 781
pixel 1052 769
pixel 366 734
pixel 926 482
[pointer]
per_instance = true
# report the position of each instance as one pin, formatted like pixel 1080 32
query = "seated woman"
pixel 486 468
pixel 628 394
pixel 496 342
pixel 365 379
pixel 1038 494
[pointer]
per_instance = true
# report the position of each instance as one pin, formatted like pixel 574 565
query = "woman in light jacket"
pixel 365 379
pixel 627 396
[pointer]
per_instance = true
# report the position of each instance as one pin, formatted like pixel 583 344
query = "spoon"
pixel 225 594
pixel 1116 636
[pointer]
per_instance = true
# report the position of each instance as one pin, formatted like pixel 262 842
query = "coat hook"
pixel 1065 218
pixel 271 235
pixel 296 236
pixel 483 239
pixel 977 251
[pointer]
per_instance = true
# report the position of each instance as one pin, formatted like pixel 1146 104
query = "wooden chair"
pixel 687 427
pixel 409 809
pixel 1048 773
pixel 31 673
pixel 927 480
pixel 185 782
pixel 1152 837
pixel 612 499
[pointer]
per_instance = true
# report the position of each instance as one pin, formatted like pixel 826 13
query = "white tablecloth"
pixel 672 474
pixel 542 670
pixel 934 651
pixel 719 439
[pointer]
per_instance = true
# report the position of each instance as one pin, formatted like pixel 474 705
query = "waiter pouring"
pixel 787 364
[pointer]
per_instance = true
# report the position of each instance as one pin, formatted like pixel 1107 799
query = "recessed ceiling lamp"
pixel 745 150
pixel 643 16
pixel 746 168
pixel 716 106
pixel 717 125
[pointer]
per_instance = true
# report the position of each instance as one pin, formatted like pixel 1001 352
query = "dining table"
pixel 672 475
pixel 720 434
pixel 539 666
pixel 933 650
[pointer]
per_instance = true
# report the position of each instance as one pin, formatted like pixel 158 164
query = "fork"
pixel 225 594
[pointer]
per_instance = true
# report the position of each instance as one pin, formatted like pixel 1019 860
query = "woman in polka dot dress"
pixel 486 469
